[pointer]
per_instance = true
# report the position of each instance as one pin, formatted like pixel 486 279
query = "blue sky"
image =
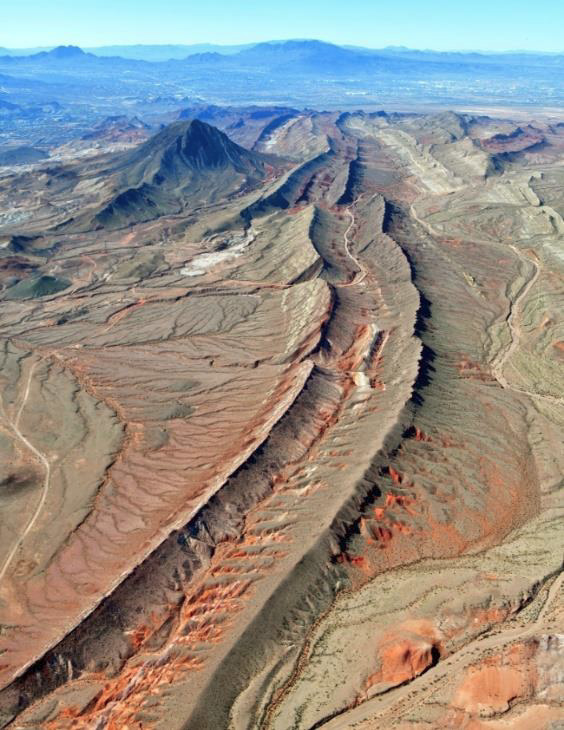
pixel 439 24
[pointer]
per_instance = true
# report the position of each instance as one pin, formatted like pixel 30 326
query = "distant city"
pixel 49 96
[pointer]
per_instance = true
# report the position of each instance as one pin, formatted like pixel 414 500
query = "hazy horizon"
pixel 489 27
pixel 427 49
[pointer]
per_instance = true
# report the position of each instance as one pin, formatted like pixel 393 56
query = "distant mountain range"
pixel 165 52
pixel 285 59
pixel 140 52
pixel 88 87
pixel 312 51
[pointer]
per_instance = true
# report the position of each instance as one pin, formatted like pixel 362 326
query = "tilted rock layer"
pixel 281 429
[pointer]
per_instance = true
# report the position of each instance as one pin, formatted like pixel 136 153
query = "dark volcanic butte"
pixel 185 165
pixel 267 401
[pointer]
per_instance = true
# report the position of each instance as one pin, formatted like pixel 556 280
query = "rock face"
pixel 403 654
pixel 284 451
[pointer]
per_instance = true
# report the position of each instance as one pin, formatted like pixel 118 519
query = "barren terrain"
pixel 281 426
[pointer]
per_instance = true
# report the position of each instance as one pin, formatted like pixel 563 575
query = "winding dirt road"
pixel 503 355
pixel 359 277
pixel 385 709
pixel 45 486
pixel 362 384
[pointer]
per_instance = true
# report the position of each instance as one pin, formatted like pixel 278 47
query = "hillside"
pixel 188 162
pixel 281 443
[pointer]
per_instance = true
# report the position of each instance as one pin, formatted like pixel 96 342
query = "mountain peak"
pixel 188 160
pixel 66 52
pixel 193 143
pixel 305 43
pixel 292 46
pixel 311 54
